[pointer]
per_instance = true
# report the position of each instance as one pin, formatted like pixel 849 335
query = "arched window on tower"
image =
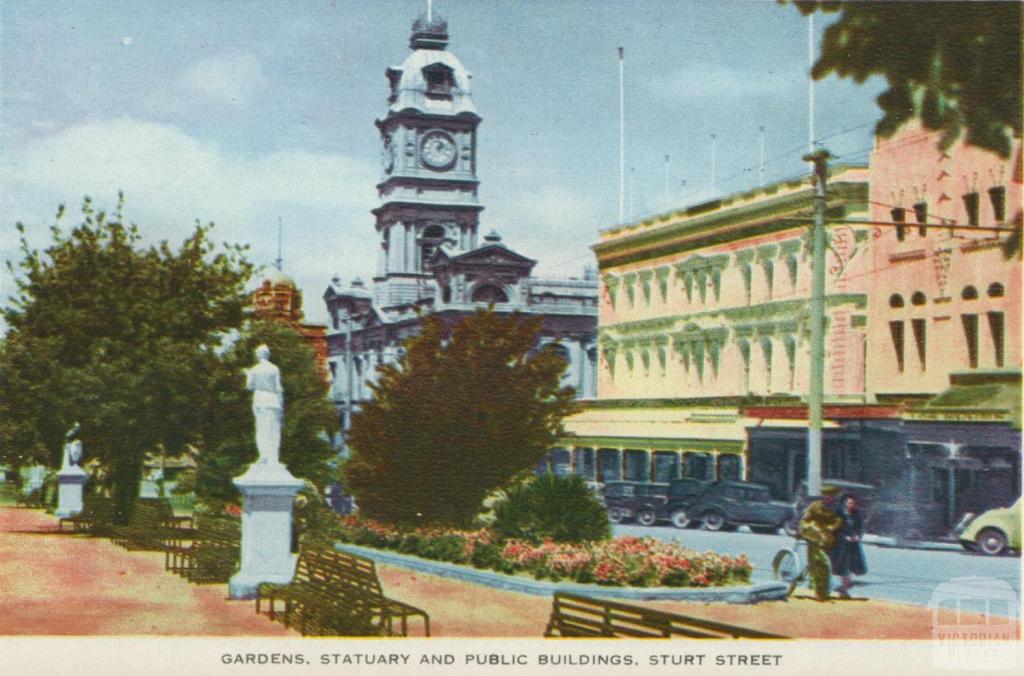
pixel 439 79
pixel 432 237
pixel 489 293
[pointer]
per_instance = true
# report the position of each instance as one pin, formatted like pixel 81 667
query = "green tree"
pixel 309 419
pixel 118 336
pixel 954 65
pixel 466 409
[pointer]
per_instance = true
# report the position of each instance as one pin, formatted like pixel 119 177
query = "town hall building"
pixel 432 256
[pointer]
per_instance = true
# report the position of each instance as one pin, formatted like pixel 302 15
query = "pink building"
pixel 941 300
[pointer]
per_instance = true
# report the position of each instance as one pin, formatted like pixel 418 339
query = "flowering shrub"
pixel 623 561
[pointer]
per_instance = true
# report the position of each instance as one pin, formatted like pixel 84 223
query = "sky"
pixel 243 113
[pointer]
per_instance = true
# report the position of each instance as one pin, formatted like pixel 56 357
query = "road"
pixel 903 575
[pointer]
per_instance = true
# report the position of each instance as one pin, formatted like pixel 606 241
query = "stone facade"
pixel 430 255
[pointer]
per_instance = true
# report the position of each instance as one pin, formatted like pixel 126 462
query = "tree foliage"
pixel 457 417
pixel 118 336
pixel 309 420
pixel 551 506
pixel 954 65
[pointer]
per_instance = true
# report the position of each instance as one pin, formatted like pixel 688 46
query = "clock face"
pixel 437 150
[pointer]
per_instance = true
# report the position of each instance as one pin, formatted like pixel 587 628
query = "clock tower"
pixel 428 188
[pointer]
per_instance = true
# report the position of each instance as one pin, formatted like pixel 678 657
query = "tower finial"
pixel 279 262
pixel 429 31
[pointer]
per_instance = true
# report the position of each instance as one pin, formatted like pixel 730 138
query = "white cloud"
pixel 230 78
pixel 170 179
pixel 718 81
pixel 551 224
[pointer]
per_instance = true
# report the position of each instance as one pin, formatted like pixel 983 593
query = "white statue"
pixel 264 379
pixel 72 447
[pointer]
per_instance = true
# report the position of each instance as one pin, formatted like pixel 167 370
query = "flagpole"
pixel 622 137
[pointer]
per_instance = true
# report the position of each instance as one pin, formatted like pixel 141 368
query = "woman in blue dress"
pixel 848 554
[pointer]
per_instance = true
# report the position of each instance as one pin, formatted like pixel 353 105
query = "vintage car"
pixel 728 504
pixel 681 494
pixel 993 532
pixel 626 500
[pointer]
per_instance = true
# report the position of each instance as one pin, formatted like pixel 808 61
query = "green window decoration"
pixel 611 283
pixel 662 274
pixel 645 285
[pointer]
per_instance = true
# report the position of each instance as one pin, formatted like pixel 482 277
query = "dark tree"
pixel 227 420
pixel 460 415
pixel 954 65
pixel 118 336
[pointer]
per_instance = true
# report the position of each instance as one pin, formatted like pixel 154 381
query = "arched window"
pixel 895 301
pixel 489 293
pixel 918 298
pixel 969 293
pixel 439 79
pixel 996 290
pixel 432 237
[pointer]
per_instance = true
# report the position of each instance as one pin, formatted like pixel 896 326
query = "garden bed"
pixel 618 562
pixel 524 584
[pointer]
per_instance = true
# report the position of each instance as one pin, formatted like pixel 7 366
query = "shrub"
pixel 562 509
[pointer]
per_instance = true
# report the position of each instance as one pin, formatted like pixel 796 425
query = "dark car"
pixel 728 504
pixel 681 494
pixel 626 500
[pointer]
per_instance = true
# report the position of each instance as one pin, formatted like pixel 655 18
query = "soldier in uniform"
pixel 818 528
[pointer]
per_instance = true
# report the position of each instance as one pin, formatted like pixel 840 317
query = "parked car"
pixel 681 494
pixel 992 532
pixel 626 500
pixel 728 504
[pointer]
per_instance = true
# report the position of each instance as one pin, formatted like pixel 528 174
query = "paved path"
pixel 68 585
pixel 71 585
pixel 894 574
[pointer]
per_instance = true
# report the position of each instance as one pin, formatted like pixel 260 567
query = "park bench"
pixel 96 516
pixel 573 615
pixel 207 553
pixel 150 525
pixel 335 593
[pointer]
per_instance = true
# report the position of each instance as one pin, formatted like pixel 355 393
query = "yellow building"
pixel 704 330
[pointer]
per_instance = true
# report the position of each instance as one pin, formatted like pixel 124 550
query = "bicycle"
pixel 788 567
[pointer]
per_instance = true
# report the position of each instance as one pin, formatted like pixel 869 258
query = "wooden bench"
pixel 151 524
pixel 96 517
pixel 335 593
pixel 207 553
pixel 573 615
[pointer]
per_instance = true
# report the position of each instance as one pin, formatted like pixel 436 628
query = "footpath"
pixel 73 585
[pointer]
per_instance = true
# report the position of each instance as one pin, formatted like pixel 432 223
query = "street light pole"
pixel 817 317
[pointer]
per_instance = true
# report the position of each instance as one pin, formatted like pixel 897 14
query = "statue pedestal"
pixel 268 491
pixel 69 496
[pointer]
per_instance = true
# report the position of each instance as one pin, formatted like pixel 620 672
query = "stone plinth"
pixel 69 496
pixel 268 491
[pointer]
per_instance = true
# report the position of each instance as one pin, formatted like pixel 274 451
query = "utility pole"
pixel 817 389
